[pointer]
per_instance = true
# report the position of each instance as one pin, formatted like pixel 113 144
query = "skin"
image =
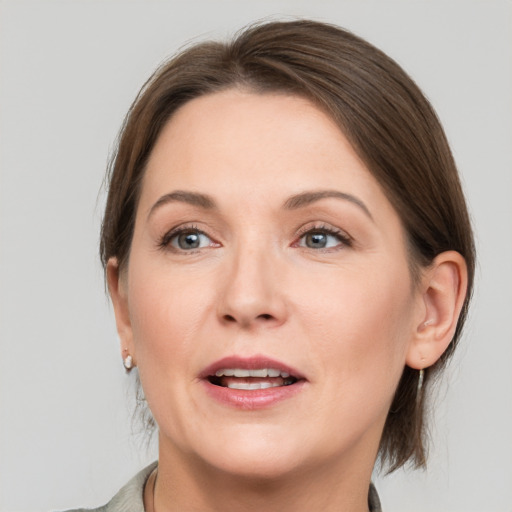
pixel 347 316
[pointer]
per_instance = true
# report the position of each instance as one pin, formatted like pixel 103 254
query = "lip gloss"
pixel 252 399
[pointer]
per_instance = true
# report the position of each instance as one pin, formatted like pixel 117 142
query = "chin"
pixel 254 453
pixel 259 467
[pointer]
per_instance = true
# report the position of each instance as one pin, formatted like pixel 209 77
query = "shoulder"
pixel 129 498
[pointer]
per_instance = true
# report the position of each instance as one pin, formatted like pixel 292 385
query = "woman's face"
pixel 263 243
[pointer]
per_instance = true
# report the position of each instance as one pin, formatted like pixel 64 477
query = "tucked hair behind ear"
pixel 380 110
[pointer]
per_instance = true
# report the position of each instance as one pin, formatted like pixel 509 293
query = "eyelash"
pixel 345 240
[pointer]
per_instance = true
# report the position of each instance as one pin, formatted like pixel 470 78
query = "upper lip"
pixel 249 363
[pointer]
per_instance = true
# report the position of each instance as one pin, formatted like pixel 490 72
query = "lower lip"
pixel 252 399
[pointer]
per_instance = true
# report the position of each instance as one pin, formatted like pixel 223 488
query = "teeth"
pixel 252 386
pixel 259 372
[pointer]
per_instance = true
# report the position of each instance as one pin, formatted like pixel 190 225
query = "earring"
pixel 419 389
pixel 128 362
pixel 430 321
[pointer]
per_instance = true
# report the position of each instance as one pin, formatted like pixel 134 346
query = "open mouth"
pixel 251 379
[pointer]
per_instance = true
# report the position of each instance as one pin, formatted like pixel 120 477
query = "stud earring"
pixel 128 362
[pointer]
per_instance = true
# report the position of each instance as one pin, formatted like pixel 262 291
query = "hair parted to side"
pixel 381 111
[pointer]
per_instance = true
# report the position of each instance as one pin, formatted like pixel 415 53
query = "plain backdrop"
pixel 69 71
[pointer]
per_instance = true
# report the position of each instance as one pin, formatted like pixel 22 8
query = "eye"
pixel 323 238
pixel 318 240
pixel 187 239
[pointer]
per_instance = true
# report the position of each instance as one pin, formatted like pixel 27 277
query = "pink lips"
pixel 254 398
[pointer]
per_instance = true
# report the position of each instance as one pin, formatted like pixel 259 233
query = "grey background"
pixel 69 71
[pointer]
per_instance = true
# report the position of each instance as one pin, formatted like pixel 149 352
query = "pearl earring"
pixel 128 362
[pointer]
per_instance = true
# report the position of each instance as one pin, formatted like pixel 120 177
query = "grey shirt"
pixel 130 497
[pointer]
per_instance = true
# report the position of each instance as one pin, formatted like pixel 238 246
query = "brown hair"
pixel 380 110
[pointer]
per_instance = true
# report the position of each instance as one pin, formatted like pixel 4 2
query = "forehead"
pixel 257 142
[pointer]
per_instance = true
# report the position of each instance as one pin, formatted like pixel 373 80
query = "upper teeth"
pixel 242 372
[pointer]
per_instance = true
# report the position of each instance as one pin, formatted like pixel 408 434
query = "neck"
pixel 195 486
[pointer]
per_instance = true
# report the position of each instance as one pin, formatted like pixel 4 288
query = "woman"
pixel 290 261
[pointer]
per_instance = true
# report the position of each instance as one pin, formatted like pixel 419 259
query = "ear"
pixel 117 287
pixel 443 289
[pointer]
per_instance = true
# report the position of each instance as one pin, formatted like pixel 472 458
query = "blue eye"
pixel 322 239
pixel 188 240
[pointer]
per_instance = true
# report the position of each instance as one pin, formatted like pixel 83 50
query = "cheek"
pixel 166 311
pixel 360 322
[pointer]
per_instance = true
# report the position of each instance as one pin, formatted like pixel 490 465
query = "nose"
pixel 252 293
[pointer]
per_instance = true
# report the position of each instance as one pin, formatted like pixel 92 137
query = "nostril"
pixel 233 319
pixel 247 320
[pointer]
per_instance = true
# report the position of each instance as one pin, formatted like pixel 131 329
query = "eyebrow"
pixel 182 196
pixel 292 203
pixel 306 198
